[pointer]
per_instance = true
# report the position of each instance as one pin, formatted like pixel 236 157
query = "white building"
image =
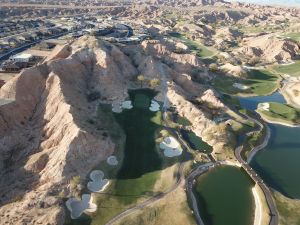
pixel 23 57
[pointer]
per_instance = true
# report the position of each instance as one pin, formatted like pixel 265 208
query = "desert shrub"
pixel 74 182
pixel 93 96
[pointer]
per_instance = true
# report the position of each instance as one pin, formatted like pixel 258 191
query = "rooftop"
pixel 22 56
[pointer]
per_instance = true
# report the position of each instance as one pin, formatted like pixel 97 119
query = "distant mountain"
pixel 274 2
pixel 185 2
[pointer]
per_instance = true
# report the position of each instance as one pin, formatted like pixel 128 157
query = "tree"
pixel 253 61
pixel 154 82
pixel 74 182
pixel 141 78
pixel 213 67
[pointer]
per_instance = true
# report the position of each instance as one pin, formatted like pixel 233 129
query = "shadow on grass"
pixel 141 164
pixel 262 75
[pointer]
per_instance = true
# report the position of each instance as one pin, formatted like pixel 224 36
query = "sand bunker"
pixel 240 86
pixel 112 160
pixel 77 207
pixel 116 107
pixel 154 107
pixel 264 106
pixel 127 105
pixel 171 147
pixel 97 184
pixel 170 142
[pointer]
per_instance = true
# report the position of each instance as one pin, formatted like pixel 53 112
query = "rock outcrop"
pixel 49 130
pixel 46 136
pixel 269 48
pixel 236 71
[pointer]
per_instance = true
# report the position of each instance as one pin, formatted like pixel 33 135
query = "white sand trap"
pixel 170 142
pixel 97 184
pixel 127 105
pixel 240 86
pixel 112 160
pixel 171 152
pixel 116 107
pixel 171 147
pixel 154 107
pixel 264 106
pixel 77 207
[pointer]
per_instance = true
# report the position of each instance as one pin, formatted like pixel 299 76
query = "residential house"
pixel 13 42
pixel 11 66
pixel 26 38
pixel 23 57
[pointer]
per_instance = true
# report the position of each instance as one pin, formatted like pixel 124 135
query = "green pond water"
pixel 224 197
pixel 279 163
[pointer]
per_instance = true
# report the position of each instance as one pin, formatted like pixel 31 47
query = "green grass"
pixel 141 165
pixel 294 36
pixel 138 172
pixel 141 100
pixel 260 82
pixel 255 139
pixel 292 70
pixel 182 121
pixel 288 209
pixel 198 48
pixel 282 112
pixel 196 142
pixel 243 126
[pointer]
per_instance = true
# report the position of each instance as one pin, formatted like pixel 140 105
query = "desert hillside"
pixel 47 129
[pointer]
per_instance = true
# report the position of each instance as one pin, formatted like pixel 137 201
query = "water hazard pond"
pixel 278 164
pixel 224 197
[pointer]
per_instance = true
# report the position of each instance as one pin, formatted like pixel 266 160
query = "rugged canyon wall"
pixel 46 136
pixel 48 130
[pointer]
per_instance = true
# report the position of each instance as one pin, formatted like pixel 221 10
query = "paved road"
pixel 260 182
pixel 155 198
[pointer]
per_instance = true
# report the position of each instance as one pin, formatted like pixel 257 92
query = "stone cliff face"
pixel 46 138
pixel 270 48
pixel 47 131
pixel 181 88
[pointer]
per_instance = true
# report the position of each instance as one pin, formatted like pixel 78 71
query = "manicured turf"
pixel 294 36
pixel 196 142
pixel 282 112
pixel 199 49
pixel 141 100
pixel 261 82
pixel 292 70
pixel 182 121
pixel 138 172
pixel 142 163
